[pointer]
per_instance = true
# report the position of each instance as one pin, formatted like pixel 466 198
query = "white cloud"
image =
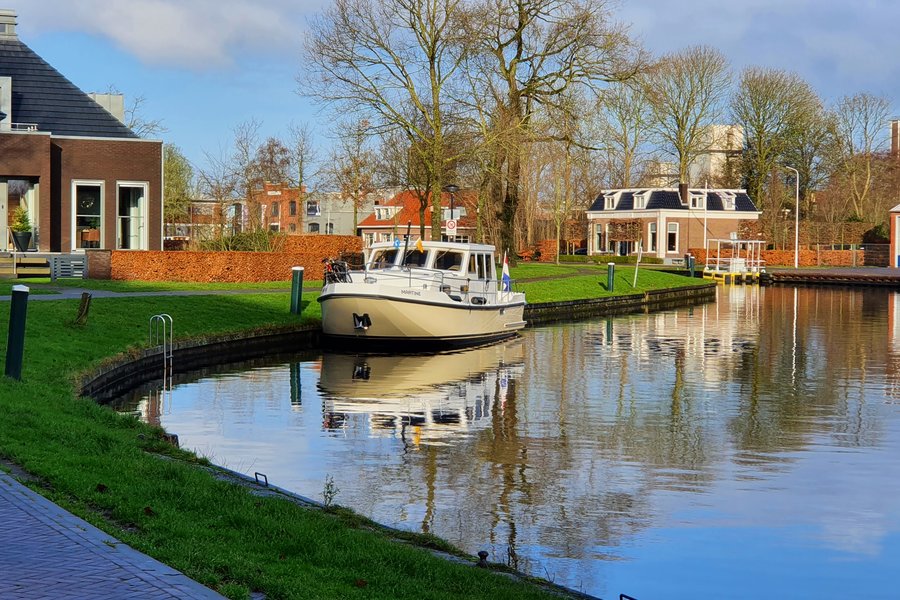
pixel 181 33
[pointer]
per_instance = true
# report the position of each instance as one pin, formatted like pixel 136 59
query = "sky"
pixel 205 66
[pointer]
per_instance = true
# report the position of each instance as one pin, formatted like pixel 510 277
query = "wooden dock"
pixel 855 276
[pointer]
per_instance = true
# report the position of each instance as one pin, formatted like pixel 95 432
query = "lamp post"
pixel 796 216
pixel 452 189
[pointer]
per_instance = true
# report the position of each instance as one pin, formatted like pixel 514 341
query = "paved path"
pixel 49 553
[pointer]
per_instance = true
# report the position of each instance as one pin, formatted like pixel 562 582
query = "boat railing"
pixel 441 280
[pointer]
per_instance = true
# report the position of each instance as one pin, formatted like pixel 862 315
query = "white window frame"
pixel 610 203
pixel 669 227
pixel 727 200
pixel 74 210
pixel 697 201
pixel 652 236
pixel 145 214
pixel 640 201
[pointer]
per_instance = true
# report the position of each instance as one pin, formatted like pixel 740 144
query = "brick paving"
pixel 49 553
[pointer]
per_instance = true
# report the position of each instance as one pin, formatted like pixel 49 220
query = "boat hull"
pixel 408 323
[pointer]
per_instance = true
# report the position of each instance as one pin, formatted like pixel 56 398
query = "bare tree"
pixel 382 58
pixel 273 162
pixel 532 52
pixel 352 166
pixel 303 153
pixel 859 134
pixel 687 90
pixel 621 131
pixel 769 105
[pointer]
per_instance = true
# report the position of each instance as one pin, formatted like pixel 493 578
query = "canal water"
pixel 745 448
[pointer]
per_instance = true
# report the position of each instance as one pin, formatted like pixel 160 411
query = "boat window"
pixel 415 258
pixel 382 259
pixel 477 266
pixel 448 260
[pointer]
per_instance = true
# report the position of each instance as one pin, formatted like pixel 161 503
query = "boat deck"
pixel 875 276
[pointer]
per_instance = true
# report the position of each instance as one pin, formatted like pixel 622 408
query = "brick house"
pixel 667 221
pixel 390 218
pixel 280 206
pixel 86 179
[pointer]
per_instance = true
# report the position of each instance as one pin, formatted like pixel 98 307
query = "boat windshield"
pixel 448 260
pixel 382 259
pixel 415 258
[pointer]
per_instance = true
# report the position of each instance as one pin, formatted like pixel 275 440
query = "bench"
pixel 66 266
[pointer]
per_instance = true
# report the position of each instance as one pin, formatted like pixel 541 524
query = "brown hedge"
pixel 234 267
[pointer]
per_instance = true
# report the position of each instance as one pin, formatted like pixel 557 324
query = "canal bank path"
pixel 49 553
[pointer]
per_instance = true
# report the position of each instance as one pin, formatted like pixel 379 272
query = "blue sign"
pixel 397 243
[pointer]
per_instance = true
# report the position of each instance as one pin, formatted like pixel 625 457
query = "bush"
pixel 261 240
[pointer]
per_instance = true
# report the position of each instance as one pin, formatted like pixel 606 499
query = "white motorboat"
pixel 429 294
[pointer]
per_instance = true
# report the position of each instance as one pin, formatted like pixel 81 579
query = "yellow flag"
pixel 419 245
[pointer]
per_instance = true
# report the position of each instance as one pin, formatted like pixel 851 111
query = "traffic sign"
pixel 451 225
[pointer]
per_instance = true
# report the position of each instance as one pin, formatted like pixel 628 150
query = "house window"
pixel 87 222
pixel 672 237
pixel 640 200
pixel 610 201
pixel 292 227
pixel 274 227
pixel 697 201
pixel 312 208
pixel 369 239
pixel 329 229
pixel 275 209
pixel 292 208
pixel 651 247
pixel 314 228
pixel 385 237
pixel 727 200
pixel 131 216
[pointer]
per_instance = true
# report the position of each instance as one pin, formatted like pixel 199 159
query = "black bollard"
pixel 296 290
pixel 610 276
pixel 15 342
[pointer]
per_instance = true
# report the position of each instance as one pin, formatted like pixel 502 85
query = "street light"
pixel 452 189
pixel 796 216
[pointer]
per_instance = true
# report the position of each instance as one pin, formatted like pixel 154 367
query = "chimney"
pixel 7 24
pixel 895 138
pixel 683 193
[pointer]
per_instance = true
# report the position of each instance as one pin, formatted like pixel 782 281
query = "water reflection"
pixel 725 450
pixel 424 399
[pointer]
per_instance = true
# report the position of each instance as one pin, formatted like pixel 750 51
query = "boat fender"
pixel 479 300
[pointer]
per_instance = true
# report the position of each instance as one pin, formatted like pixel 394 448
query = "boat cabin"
pixel 474 261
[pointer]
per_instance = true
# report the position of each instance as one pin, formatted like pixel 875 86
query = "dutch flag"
pixel 505 281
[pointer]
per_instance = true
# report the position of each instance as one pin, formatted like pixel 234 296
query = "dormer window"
pixel 610 201
pixel 727 200
pixel 640 200
pixel 698 200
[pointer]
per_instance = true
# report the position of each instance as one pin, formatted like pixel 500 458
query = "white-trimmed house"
pixel 666 221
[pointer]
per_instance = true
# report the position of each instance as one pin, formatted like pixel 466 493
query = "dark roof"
pixel 664 199
pixel 41 95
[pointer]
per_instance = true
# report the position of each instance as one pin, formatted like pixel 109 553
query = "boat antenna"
pixel 406 239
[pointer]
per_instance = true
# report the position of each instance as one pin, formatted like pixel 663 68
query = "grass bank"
pixel 120 474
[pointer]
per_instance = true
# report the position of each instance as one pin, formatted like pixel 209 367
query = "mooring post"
pixel 690 259
pixel 296 290
pixel 610 276
pixel 15 341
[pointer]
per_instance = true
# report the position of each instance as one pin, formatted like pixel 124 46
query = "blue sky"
pixel 204 66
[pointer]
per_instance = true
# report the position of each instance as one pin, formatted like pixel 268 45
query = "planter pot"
pixel 21 239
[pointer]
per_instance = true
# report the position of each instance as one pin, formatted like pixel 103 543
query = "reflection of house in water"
pixel 716 333
pixel 422 398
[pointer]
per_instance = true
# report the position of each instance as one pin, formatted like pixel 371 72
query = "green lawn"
pixel 162 286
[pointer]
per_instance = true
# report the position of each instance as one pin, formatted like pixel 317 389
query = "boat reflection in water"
pixel 424 399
